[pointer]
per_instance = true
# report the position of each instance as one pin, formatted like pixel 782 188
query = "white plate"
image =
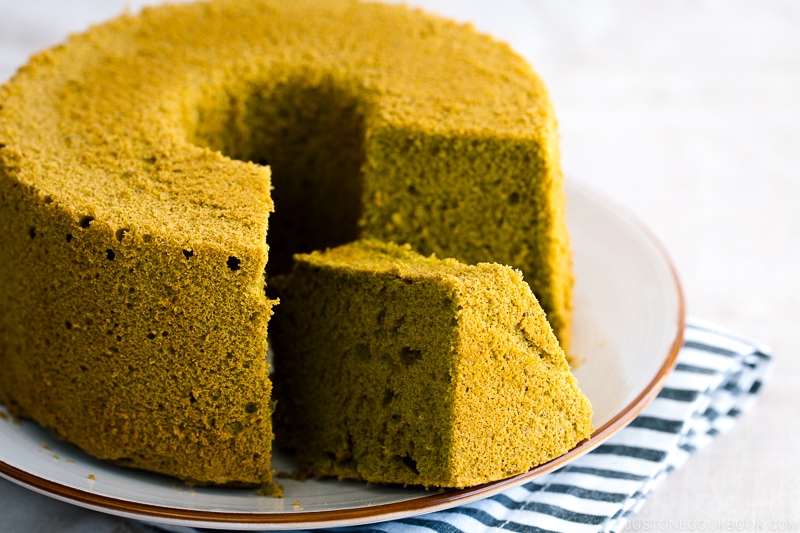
pixel 628 329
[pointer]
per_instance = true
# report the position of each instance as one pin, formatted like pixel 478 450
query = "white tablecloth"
pixel 688 113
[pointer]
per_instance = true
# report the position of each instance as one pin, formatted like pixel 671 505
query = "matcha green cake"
pixel 140 164
pixel 397 368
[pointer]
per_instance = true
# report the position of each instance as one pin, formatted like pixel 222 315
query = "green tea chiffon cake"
pixel 158 170
pixel 399 368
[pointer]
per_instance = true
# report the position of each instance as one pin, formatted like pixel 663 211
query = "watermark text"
pixel 727 524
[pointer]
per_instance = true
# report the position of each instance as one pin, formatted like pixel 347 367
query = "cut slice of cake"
pixel 392 367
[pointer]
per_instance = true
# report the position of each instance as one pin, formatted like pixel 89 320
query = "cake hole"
pixel 532 345
pixel 110 255
pixel 388 397
pixel 413 190
pixel 250 408
pixel 188 253
pixel 192 397
pixel 410 463
pixel 410 356
pixel 311 133
pixel 68 324
pixel 151 336
pixel 84 222
pixel 32 232
pixel 234 263
pixel 83 368
pixel 69 237
pixel 513 198
pixel 48 199
pixel 120 234
pixel 235 427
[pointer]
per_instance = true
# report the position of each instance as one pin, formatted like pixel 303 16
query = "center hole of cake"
pixel 311 135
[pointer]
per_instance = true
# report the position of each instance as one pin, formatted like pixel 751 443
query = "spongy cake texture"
pixel 135 196
pixel 399 368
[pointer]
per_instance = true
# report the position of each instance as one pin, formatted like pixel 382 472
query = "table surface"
pixel 687 112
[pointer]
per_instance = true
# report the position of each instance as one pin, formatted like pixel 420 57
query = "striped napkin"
pixel 717 377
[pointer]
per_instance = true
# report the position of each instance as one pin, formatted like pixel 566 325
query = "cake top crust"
pixel 107 123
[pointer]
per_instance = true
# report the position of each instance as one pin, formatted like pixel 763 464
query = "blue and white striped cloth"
pixel 717 377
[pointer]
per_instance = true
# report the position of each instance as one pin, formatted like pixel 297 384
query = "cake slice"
pixel 392 367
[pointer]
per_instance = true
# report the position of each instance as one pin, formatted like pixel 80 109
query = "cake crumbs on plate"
pixel 274 490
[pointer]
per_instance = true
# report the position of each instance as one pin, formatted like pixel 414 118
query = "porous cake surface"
pixel 397 368
pixel 135 191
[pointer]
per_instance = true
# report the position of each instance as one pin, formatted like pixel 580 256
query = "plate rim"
pixel 394 510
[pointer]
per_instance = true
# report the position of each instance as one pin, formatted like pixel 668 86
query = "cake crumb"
pixel 91 476
pixel 296 505
pixel 273 490
pixel 381 288
pixel 46 446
